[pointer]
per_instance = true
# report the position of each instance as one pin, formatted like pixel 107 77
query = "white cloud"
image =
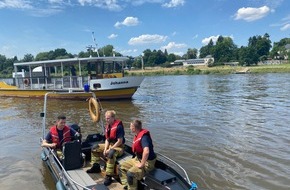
pixel 174 33
pixel 56 1
pixel 205 41
pixel 128 51
pixel 250 14
pixel 129 21
pixel 111 5
pixel 112 36
pixel 147 39
pixel 180 53
pixel 195 36
pixel 285 27
pixel 16 4
pixel 174 3
pixel 173 45
pixel 284 24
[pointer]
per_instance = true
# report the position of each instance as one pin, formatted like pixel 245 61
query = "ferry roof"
pixel 72 61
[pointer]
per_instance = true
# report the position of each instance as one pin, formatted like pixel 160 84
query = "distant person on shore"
pixel 58 134
pixel 134 169
pixel 74 76
pixel 111 149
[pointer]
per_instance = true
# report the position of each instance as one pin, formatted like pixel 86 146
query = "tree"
pixel 260 44
pixel 146 54
pixel 160 58
pixel 42 56
pixel 27 58
pixel 279 49
pixel 107 50
pixel 2 62
pixel 191 53
pixel 171 57
pixel 224 50
pixel 248 56
pixel 206 50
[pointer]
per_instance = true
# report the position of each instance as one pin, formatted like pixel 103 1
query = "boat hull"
pixel 101 94
pixel 104 89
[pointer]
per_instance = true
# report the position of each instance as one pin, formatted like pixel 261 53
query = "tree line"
pixel 259 48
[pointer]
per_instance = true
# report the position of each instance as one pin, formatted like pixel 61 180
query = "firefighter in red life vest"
pixel 113 147
pixel 134 169
pixel 58 134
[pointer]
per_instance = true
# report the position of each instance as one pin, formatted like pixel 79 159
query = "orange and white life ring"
pixel 94 109
pixel 26 82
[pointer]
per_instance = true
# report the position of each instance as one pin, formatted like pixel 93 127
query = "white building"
pixel 202 61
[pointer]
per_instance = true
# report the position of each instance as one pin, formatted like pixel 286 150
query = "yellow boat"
pixel 104 77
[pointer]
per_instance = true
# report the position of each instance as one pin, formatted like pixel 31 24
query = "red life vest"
pixel 137 146
pixel 55 138
pixel 112 137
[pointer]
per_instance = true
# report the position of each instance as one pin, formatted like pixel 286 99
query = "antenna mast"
pixel 96 48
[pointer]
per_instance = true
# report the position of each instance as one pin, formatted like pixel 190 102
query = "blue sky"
pixel 131 26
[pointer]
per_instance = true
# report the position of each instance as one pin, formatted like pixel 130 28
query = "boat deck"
pixel 92 180
pixel 99 179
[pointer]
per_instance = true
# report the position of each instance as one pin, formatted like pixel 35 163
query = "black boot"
pixel 108 180
pixel 94 169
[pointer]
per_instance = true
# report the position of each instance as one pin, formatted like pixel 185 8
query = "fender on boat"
pixel 59 185
pixel 43 156
pixel 193 186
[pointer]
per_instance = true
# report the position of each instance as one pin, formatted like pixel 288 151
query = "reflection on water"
pixel 230 132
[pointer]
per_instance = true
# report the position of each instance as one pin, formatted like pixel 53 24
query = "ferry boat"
pixel 103 76
pixel 70 172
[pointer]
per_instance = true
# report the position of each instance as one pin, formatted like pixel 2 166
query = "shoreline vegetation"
pixel 195 70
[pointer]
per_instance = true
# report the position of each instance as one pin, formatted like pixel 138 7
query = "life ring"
pixel 26 82
pixel 94 109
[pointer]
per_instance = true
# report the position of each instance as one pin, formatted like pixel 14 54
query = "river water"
pixel 228 131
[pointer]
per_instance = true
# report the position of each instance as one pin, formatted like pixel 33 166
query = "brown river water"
pixel 227 131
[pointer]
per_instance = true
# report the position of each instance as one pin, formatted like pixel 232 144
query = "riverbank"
pixel 152 71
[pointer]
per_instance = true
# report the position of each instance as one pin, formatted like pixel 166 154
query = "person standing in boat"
pixel 74 76
pixel 111 149
pixel 134 169
pixel 58 134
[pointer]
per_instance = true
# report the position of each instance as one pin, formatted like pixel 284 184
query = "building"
pixel 194 62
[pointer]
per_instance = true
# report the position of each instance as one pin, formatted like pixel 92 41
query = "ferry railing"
pixel 40 83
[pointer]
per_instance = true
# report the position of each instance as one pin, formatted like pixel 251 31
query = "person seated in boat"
pixel 58 134
pixel 111 149
pixel 134 169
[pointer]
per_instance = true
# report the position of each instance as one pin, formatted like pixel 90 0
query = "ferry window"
pixel 118 68
pixel 113 67
pixel 108 67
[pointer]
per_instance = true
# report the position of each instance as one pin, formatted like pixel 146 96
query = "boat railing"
pixel 8 81
pixel 67 180
pixel 42 83
pixel 62 171
pixel 174 165
pixel 171 163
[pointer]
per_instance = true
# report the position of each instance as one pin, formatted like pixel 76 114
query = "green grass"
pixel 222 70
